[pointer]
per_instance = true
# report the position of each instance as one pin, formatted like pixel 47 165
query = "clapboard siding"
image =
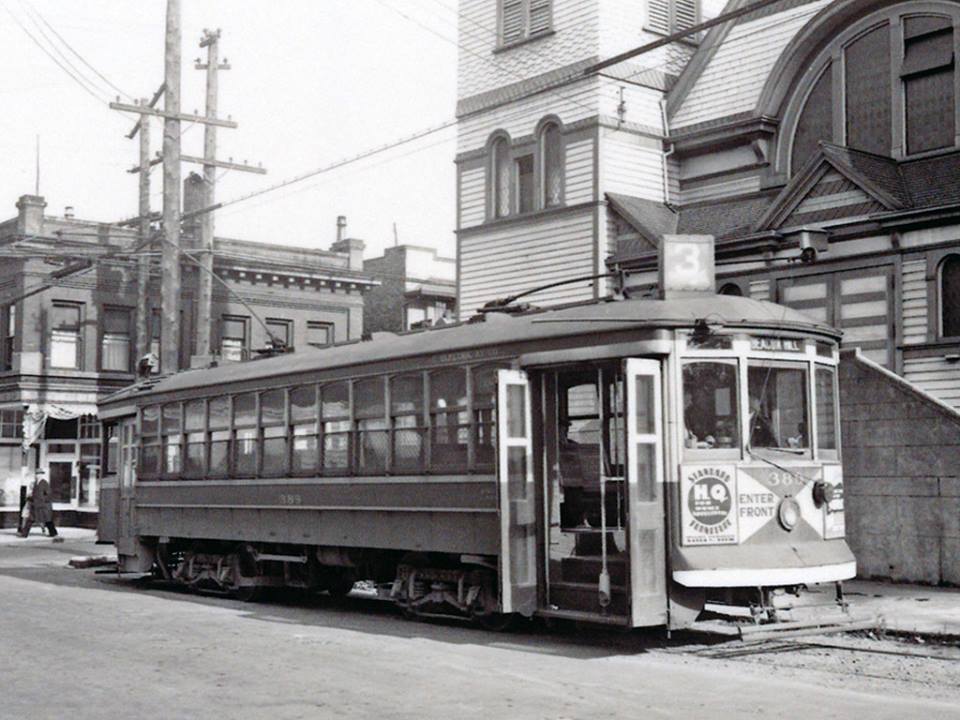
pixel 914 302
pixel 720 188
pixel 733 80
pixel 631 167
pixel 519 257
pixel 576 36
pixel 473 197
pixel 935 376
pixel 760 290
pixel 570 103
pixel 578 183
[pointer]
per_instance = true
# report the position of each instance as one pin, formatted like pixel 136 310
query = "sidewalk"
pixel 907 608
pixel 8 536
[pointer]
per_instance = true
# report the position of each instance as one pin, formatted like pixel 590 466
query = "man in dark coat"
pixel 41 506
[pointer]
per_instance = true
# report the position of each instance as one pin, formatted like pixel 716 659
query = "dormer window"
pixel 523 19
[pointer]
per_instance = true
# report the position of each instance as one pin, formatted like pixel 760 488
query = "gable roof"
pixel 837 182
pixel 651 219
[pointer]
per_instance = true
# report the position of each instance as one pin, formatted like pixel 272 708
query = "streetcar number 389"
pixel 290 499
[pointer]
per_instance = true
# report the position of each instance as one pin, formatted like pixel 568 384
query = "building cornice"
pixel 525 219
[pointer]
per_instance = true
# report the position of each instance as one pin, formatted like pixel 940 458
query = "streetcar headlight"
pixel 789 513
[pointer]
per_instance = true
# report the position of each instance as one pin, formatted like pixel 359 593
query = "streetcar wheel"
pixel 245 567
pixel 497 622
pixel 339 584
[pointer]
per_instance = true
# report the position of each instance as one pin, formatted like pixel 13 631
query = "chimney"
pixel 192 201
pixel 30 216
pixel 353 248
pixel 68 212
pixel 341 228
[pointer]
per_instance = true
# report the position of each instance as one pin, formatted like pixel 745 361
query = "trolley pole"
pixel 170 263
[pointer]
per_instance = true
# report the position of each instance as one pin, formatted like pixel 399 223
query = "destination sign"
pixel 776 344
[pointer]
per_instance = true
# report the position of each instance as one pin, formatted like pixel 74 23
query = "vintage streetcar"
pixel 626 462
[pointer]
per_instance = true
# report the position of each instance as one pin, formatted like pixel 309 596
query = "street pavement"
pixel 86 645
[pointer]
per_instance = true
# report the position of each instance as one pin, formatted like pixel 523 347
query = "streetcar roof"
pixel 498 329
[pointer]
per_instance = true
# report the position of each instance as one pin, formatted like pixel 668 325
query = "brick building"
pixel 68 342
pixel 417 289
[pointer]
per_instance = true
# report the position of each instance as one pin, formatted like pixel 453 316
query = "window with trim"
pixel 150 442
pixel 156 323
pixel 551 165
pixel 273 424
pixel 171 427
pixel 950 296
pixel 218 426
pixel 319 334
pixel 522 19
pixel 282 330
pixel 897 91
pixel 115 339
pixel 234 337
pixel 523 172
pixel 373 434
pixel 449 421
pixel 499 174
pixel 670 16
pixel 65 340
pixel 9 335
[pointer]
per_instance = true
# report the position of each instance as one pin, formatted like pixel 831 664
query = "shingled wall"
pixel 901 463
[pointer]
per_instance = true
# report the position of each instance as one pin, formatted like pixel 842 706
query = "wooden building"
pixel 69 341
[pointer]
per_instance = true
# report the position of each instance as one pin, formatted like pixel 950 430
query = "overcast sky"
pixel 312 81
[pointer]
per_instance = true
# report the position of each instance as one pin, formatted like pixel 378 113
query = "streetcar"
pixel 627 462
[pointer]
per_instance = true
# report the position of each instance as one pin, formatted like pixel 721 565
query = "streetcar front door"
pixel 603 512
pixel 126 471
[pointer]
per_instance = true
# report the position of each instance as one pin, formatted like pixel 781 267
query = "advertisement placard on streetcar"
pixel 709 504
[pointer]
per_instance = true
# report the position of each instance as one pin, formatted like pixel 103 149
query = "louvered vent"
pixel 658 16
pixel 512 21
pixel 685 14
pixel 540 16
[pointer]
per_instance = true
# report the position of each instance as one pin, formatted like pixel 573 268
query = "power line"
pixel 31 9
pixel 77 79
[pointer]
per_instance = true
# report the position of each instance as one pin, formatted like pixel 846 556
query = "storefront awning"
pixel 35 418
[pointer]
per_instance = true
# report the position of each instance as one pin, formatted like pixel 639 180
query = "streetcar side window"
pixel 150 439
pixel 449 421
pixel 406 412
pixel 246 434
pixel 484 402
pixel 171 427
pixel 273 421
pixel 304 430
pixel 219 429
pixel 710 406
pixel 373 435
pixel 826 404
pixel 194 425
pixel 779 417
pixel 335 413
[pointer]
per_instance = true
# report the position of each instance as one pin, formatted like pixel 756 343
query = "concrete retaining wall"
pixel 901 462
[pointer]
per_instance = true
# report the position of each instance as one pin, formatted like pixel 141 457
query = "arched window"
pixel 499 185
pixel 950 296
pixel 884 85
pixel 731 289
pixel 551 165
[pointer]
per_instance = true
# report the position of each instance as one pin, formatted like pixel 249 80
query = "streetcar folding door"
pixel 126 471
pixel 645 492
pixel 518 534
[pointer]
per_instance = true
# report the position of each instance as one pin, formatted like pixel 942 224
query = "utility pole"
pixel 170 258
pixel 211 41
pixel 143 262
pixel 172 211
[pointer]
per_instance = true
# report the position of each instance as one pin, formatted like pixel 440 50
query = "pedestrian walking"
pixel 39 507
